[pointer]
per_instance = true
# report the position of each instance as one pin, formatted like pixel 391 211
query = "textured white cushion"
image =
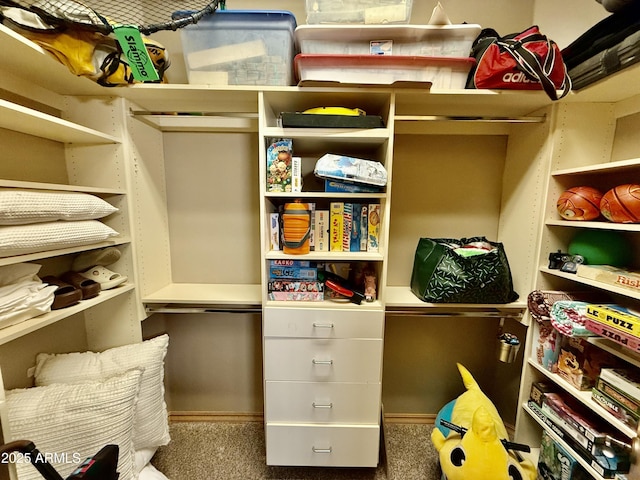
pixel 70 423
pixel 42 237
pixel 151 423
pixel 23 206
pixel 151 473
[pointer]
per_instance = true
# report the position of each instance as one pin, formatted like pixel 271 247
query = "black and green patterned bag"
pixel 444 272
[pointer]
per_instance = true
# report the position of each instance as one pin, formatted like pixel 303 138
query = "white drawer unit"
pixel 323 402
pixel 323 373
pixel 322 445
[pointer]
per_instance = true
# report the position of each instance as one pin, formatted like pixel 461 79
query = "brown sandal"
pixel 65 296
pixel 88 287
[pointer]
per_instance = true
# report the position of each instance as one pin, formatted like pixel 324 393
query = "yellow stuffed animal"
pixel 472 440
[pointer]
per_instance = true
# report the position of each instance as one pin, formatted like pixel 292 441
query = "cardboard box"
pixel 580 362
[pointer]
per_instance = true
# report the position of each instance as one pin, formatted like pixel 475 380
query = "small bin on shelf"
pixel 441 72
pixel 408 40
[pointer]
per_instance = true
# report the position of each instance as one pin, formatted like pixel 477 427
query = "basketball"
pixel 621 204
pixel 579 203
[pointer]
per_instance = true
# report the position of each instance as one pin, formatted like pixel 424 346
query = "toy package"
pixel 350 169
pixel 580 362
pixel 279 169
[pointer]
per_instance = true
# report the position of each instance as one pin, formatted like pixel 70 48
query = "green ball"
pixel 602 247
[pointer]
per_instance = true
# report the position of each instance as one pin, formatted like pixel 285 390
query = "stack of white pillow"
pixel 83 401
pixel 33 220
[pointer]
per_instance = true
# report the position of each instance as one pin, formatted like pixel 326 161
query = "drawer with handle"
pixel 323 323
pixel 340 360
pixel 322 402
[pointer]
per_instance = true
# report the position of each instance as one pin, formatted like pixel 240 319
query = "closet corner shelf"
pixel 603 225
pixel 603 286
pixel 32 122
pixel 617 166
pixel 584 397
pixel 18 330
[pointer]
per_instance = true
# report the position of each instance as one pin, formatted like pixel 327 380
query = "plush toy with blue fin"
pixel 472 441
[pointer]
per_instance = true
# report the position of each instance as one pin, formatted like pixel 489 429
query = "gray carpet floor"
pixel 236 451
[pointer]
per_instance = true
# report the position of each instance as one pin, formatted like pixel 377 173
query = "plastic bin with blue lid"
pixel 240 47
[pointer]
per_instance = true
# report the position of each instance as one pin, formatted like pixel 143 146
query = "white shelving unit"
pixel 121 145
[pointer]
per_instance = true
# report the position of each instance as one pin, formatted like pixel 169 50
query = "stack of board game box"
pixel 294 280
pixel 616 323
pixel 590 438
pixel 617 390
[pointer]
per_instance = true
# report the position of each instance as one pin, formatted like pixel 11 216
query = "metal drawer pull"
pixel 322 405
pixel 322 325
pixel 321 450
pixel 322 362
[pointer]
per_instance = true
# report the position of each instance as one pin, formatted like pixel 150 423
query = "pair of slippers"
pixel 75 285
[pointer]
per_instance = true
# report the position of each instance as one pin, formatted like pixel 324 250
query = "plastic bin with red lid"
pixel 441 72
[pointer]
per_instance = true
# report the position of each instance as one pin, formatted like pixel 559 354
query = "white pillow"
pixel 69 423
pixel 42 237
pixel 22 206
pixel 151 422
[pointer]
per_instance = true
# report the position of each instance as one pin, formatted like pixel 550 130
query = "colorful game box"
pixel 279 159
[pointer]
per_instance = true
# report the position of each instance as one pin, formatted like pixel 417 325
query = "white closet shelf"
pixel 312 195
pixel 584 397
pixel 617 166
pixel 200 122
pixel 30 257
pixel 325 304
pixel 616 349
pixel 32 122
pixel 625 227
pixel 592 283
pixel 206 294
pixel 327 256
pixel 60 187
pixel 400 299
pixel 12 332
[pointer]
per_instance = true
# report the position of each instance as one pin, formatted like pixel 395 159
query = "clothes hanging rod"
pixel 208 309
pixel 146 113
pixel 476 119
pixel 474 314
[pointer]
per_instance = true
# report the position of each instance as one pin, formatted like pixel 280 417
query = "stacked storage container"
pixel 388 52
pixel 240 47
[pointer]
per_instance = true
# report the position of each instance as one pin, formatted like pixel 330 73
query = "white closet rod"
pixel 459 118
pixel 208 309
pixel 405 312
pixel 477 314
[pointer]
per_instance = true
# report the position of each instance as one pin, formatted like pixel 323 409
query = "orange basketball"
pixel 579 203
pixel 621 204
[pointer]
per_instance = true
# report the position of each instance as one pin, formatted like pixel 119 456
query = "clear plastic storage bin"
pixel 442 72
pixel 240 47
pixel 422 40
pixel 358 11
